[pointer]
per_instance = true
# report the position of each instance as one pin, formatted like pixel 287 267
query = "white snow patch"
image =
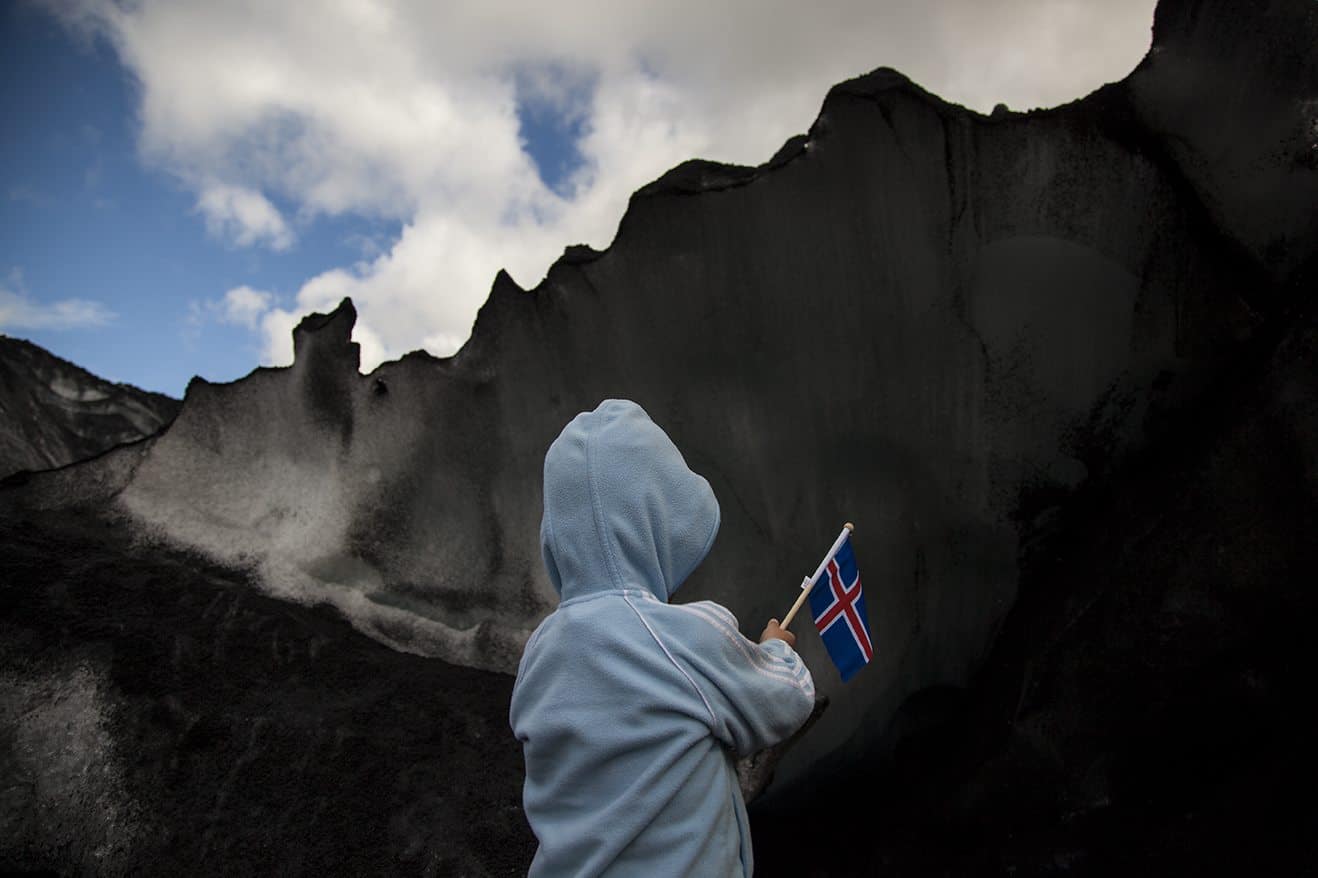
pixel 282 521
pixel 67 388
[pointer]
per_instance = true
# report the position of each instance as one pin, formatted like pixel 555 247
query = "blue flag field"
pixel 838 607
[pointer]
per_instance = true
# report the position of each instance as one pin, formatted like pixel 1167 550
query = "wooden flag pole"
pixel 809 581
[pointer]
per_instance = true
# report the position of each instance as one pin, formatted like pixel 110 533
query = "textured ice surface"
pixel 335 492
pixel 63 798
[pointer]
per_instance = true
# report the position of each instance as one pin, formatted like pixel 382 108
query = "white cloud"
pixel 407 111
pixel 243 216
pixel 244 306
pixel 19 311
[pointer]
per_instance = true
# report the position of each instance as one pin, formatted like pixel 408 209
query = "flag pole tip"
pixel 849 526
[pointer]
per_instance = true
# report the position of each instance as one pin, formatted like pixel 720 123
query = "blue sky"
pixel 182 181
pixel 84 219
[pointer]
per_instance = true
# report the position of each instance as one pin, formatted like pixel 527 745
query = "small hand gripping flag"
pixel 838 607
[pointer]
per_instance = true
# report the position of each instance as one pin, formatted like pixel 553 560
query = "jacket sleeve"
pixel 756 694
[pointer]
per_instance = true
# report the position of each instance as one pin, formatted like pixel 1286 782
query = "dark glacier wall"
pixel 936 324
pixel 54 413
pixel 1145 708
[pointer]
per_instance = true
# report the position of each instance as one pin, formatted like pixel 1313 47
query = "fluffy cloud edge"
pixel 243 216
pixel 18 310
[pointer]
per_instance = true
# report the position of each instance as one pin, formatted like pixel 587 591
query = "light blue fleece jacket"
pixel 630 709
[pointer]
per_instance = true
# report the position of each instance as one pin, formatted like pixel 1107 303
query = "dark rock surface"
pixel 1057 366
pixel 54 413
pixel 1146 709
pixel 159 716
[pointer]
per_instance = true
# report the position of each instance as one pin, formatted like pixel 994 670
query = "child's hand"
pixel 774 630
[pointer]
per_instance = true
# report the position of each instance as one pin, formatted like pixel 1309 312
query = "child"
pixel 631 710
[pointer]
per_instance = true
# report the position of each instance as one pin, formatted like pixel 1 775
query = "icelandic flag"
pixel 839 611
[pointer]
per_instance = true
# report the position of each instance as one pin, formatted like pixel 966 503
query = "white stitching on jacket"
pixel 712 718
pixel 770 667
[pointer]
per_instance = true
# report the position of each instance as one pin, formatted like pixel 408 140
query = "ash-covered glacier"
pixel 937 324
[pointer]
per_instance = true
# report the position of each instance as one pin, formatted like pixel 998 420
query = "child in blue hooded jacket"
pixel 631 710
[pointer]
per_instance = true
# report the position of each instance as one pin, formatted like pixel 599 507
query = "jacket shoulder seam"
pixel 708 708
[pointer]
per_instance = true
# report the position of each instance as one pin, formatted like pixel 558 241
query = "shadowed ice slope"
pixel 161 717
pixel 936 324
pixel 53 413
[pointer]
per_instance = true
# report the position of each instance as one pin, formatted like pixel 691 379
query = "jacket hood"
pixel 622 509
